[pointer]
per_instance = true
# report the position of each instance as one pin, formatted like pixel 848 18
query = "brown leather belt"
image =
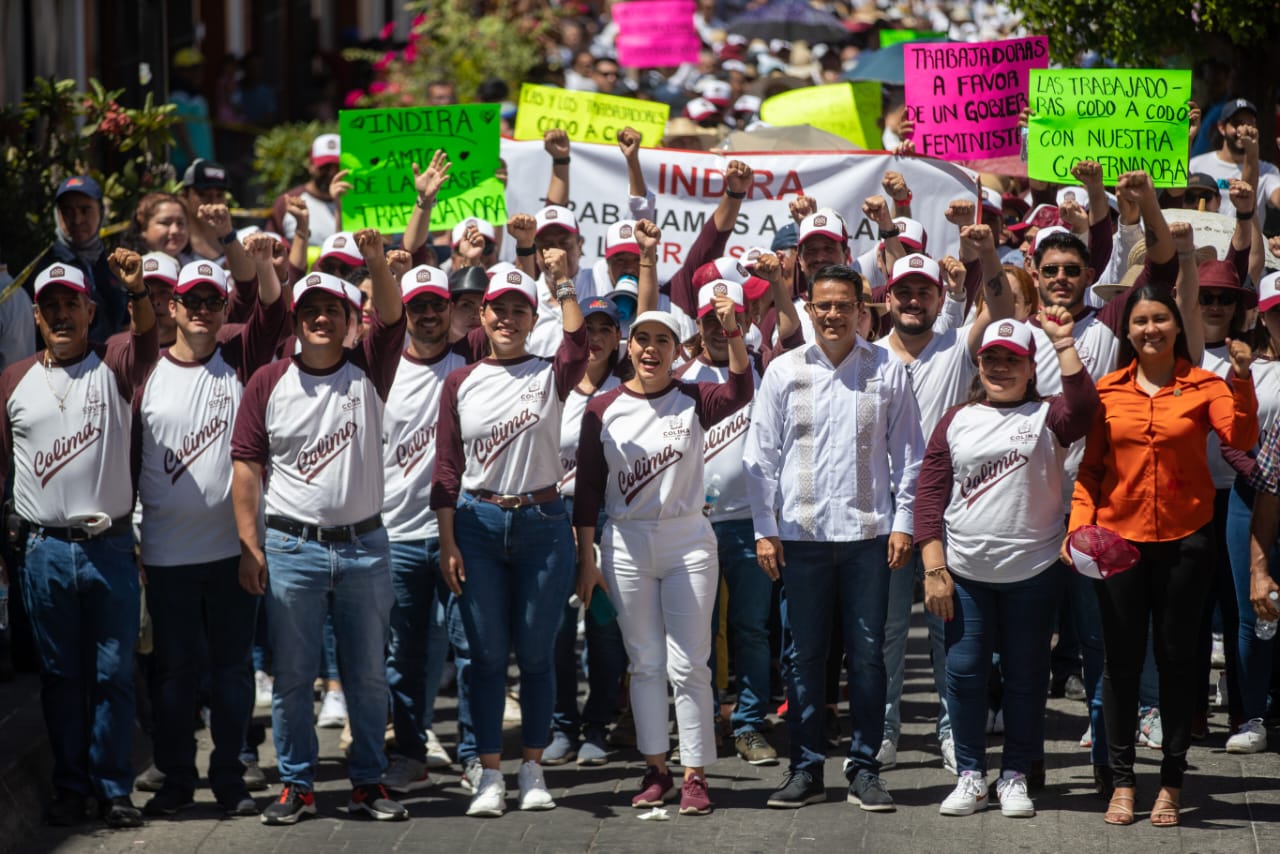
pixel 515 502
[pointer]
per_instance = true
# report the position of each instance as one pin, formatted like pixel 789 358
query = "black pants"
pixel 1169 585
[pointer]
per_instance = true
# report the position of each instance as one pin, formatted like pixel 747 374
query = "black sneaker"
pixel 294 802
pixel 867 791
pixel 119 813
pixel 237 803
pixel 168 801
pixel 374 800
pixel 65 810
pixel 798 789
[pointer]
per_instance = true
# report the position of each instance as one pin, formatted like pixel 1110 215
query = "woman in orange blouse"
pixel 1145 476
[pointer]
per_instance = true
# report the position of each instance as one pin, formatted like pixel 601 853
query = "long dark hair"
pixel 978 392
pixel 1150 293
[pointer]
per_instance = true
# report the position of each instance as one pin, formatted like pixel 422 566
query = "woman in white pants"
pixel 641 457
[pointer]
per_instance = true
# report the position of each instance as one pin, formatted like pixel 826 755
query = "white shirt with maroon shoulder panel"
pixel 571 429
pixel 65 430
pixel 182 422
pixel 318 434
pixel 641 455
pixel 499 427
pixel 990 484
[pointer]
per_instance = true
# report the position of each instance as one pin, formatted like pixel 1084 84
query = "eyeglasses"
pixel 192 303
pixel 1072 270
pixel 1217 298
pixel 420 306
pixel 841 307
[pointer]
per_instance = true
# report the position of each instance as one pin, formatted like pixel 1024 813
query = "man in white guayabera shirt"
pixel 312 424
pixel 182 449
pixel 64 430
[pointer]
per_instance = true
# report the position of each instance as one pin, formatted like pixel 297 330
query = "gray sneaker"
pixel 560 750
pixel 594 750
pixel 471 774
pixel 254 778
pixel 867 791
pixel 151 780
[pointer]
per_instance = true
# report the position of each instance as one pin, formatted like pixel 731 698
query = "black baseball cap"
pixel 1202 181
pixel 205 175
pixel 1236 106
pixel 468 280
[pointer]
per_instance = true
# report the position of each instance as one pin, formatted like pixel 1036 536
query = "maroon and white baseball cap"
pixel 353 294
pixel 341 245
pixel 1269 292
pixel 424 279
pixel 916 266
pixel 718 92
pixel 1100 553
pixel 913 235
pixel 67 275
pixel 992 201
pixel 512 280
pixel 325 149
pixel 700 109
pixel 483 226
pixel 1012 335
pixel 322 283
pixel 621 237
pixel 201 273
pixel 555 215
pixel 720 288
pixel 823 223
pixel 162 266
pixel 747 104
pixel 725 267
pixel 1041 216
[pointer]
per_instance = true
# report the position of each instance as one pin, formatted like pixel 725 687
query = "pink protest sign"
pixel 656 33
pixel 965 98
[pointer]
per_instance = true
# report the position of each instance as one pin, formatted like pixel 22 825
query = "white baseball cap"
pixel 992 200
pixel 621 237
pixel 913 235
pixel 1045 232
pixel 353 294
pixel 160 265
pixel 424 279
pixel 1269 292
pixel 61 274
pixel 1012 335
pixel 483 226
pixel 553 215
pixel 1080 194
pixel 824 223
pixel 661 317
pixel 720 288
pixel 201 273
pixel 1098 552
pixel 718 92
pixel 916 265
pixel 326 148
pixel 321 283
pixel 512 280
pixel 342 245
pixel 700 109
pixel 747 104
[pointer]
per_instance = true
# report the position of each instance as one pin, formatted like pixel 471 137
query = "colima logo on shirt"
pixel 414 449
pixel 312 461
pixel 644 471
pixel 193 445
pixel 722 435
pixel 489 448
pixel 64 450
pixel 989 474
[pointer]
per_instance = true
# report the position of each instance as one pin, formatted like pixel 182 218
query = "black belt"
pixel 78 534
pixel 515 502
pixel 322 534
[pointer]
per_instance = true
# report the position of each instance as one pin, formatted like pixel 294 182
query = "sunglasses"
pixel 840 307
pixel 1217 298
pixel 421 306
pixel 1072 270
pixel 196 303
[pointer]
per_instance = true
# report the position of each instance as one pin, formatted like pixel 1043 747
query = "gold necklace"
pixel 62 401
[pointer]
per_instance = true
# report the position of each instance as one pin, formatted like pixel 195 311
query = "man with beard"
pixel 321 194
pixel 1238 126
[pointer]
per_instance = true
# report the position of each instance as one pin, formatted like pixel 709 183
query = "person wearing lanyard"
pixel 641 457
pixel 506 547
pixel 1145 476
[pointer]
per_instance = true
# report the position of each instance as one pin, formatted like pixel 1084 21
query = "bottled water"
pixel 1266 629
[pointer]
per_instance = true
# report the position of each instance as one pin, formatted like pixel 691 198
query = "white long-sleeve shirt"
pixel 834 450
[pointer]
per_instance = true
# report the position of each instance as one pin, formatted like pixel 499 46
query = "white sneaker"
pixel 490 799
pixel 1221 699
pixel 437 756
pixel 888 755
pixel 1218 654
pixel 1251 737
pixel 405 775
pixel 995 721
pixel 333 711
pixel 1011 789
pixel 262 687
pixel 471 776
pixel 949 754
pixel 1086 740
pixel 533 789
pixel 969 796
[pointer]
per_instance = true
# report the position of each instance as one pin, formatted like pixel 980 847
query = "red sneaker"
pixel 694 798
pixel 655 789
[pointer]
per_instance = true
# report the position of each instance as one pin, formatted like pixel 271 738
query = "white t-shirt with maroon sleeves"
pixel 724 442
pixel 183 418
pixel 641 456
pixel 318 434
pixel 65 431
pixel 499 426
pixel 571 428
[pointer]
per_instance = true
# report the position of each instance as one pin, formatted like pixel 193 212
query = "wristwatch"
pixel 136 296
pixel 228 238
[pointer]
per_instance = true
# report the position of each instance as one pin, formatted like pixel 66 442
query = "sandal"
pixel 1165 811
pixel 1120 810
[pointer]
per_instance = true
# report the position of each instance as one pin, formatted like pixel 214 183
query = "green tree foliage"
pixel 281 154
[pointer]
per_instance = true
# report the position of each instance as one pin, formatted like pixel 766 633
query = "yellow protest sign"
pixel 849 110
pixel 587 116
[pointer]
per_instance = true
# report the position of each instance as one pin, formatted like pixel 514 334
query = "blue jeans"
pixel 750 597
pixel 83 602
pixel 520 570
pixel 819 578
pixel 306 581
pixel 1255 656
pixel 437 654
pixel 1016 620
pixel 415 570
pixel 186 643
pixel 897 623
pixel 1088 630
pixel 462 663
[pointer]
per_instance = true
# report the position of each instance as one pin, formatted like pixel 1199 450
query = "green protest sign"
pixel 381 146
pixel 888 38
pixel 1124 119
